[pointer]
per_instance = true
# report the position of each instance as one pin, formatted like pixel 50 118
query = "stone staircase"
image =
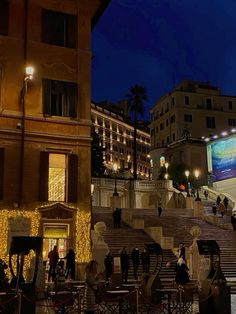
pixel 130 238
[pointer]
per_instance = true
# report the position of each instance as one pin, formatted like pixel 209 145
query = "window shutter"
pixel 71 30
pixel 43 176
pixel 1 172
pixel 72 178
pixel 72 99
pixel 4 17
pixel 46 96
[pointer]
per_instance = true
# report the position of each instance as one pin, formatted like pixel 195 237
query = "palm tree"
pixel 136 97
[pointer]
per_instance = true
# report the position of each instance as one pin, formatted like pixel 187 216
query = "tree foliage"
pixel 136 97
pixel 97 162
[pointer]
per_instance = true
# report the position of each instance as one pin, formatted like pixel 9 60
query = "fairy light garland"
pixel 82 245
pixel 5 215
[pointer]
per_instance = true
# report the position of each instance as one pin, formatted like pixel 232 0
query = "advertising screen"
pixel 221 157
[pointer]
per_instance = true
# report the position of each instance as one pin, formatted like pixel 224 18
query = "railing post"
pixel 137 300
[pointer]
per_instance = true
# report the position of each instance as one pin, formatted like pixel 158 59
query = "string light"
pixel 82 245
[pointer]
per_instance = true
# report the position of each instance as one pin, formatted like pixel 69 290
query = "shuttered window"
pixel 59 29
pixel 58 177
pixel 59 98
pixel 4 17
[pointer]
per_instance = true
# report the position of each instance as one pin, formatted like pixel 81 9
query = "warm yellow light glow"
pixel 115 166
pixel 29 71
pixel 166 176
pixel 5 215
pixel 82 245
pixel 148 156
pixel 187 173
pixel 196 173
pixel 57 177
pixel 92 189
pixel 167 165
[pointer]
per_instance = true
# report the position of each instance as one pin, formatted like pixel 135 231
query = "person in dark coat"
pixel 118 217
pixel 218 200
pixel 145 259
pixel 53 260
pixel 108 263
pixel 136 261
pixel 159 209
pixel 182 276
pixel 70 264
pixel 226 202
pixel 233 221
pixel 124 263
pixel 214 208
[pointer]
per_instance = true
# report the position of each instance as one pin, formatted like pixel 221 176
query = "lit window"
pixel 57 177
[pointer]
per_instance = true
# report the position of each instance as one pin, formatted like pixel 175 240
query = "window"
pixel 156 129
pixel 59 29
pixel 59 98
pixel 4 17
pixel 168 139
pixel 187 118
pixel 210 122
pixel 172 119
pixel 167 122
pixel 58 177
pixel 173 102
pixel 173 137
pixel 230 105
pixel 186 100
pixel 162 126
pixel 208 103
pixel 231 122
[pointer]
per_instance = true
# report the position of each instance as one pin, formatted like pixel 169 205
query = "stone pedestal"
pixel 189 202
pixel 194 257
pixel 99 248
pixel 198 209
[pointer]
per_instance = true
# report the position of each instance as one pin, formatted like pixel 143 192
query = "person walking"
pixel 218 200
pixel 206 194
pixel 145 259
pixel 135 261
pixel 108 263
pixel 124 263
pixel 226 202
pixel 214 208
pixel 70 264
pixel 91 286
pixel 53 257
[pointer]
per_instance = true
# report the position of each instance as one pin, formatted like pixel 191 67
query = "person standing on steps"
pixel 136 261
pixel 108 263
pixel 159 209
pixel 181 251
pixel 226 202
pixel 124 263
pixel 53 257
pixel 145 259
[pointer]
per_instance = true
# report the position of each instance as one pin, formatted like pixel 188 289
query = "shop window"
pixel 58 177
pixel 59 28
pixel 59 98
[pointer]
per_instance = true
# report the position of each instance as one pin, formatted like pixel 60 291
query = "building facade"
pixel 192 110
pixel 45 121
pixel 116 132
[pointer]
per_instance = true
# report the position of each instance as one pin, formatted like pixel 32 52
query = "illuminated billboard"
pixel 221 158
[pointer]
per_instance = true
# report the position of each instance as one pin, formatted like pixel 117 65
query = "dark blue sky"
pixel 155 43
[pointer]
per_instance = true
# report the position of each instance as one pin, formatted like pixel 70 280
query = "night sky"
pixel 157 43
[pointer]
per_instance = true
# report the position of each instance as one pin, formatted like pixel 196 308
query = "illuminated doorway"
pixel 56 234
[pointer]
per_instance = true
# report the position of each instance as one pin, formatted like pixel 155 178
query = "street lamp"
pixel 115 167
pixel 29 71
pixel 187 176
pixel 166 176
pixel 197 173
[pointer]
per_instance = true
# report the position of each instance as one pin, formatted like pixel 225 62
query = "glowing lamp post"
pixel 187 176
pixel 115 167
pixel 196 174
